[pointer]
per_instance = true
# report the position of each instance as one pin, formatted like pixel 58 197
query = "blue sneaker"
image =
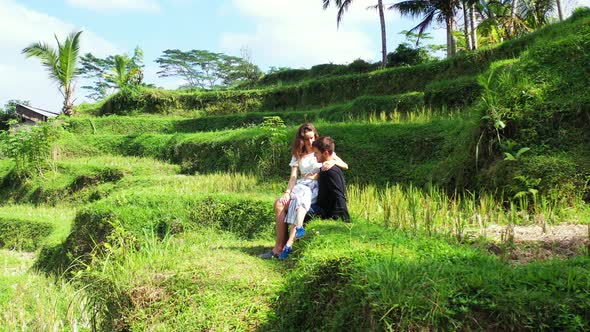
pixel 285 253
pixel 299 232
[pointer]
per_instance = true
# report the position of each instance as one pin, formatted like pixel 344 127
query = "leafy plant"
pixel 273 146
pixel 510 152
pixel 30 147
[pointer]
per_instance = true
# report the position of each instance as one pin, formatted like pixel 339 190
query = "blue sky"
pixel 276 33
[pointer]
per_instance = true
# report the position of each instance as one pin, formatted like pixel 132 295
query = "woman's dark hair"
pixel 298 146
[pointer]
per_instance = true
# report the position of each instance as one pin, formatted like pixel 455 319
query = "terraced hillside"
pixel 155 204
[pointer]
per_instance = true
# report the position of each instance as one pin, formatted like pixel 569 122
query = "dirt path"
pixel 530 243
pixel 567 232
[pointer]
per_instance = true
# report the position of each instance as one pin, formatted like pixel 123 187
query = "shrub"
pixel 555 176
pixel 459 92
pixel 30 147
pixel 405 55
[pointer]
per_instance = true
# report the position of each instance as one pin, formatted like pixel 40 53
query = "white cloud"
pixel 24 78
pixel 303 34
pixel 110 5
pixel 569 6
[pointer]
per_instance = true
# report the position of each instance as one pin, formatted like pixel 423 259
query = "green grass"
pixel 365 277
pixel 208 280
pixel 59 217
pixel 426 150
pixel 33 302
pixel 434 211
pixel 156 221
pixel 341 276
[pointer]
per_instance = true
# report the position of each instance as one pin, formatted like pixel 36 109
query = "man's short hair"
pixel 324 144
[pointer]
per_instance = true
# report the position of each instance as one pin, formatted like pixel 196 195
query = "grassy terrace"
pixel 151 218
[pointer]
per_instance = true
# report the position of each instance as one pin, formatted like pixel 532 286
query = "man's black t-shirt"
pixel 332 195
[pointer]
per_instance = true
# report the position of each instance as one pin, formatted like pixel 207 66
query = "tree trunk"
pixel 67 108
pixel 512 14
pixel 383 39
pixel 466 27
pixel 450 38
pixel 473 23
pixel 559 12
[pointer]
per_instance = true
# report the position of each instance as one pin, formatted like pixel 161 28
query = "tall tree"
pixel 206 70
pixel 95 69
pixel 112 72
pixel 343 7
pixel 442 11
pixel 536 13
pixel 559 11
pixel 466 25
pixel 60 63
pixel 513 7
pixel 473 23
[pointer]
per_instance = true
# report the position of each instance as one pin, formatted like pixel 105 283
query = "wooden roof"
pixel 34 113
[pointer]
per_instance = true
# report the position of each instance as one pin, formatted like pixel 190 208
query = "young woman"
pixel 301 192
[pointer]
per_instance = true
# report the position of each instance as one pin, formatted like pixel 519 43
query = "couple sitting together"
pixel 320 190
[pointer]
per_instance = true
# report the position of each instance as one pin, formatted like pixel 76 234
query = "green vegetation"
pixel 60 63
pixel 151 218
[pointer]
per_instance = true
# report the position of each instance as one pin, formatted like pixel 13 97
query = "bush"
pixel 413 151
pixel 30 147
pixel 405 55
pixel 403 103
pixel 145 100
pixel 459 92
pixel 554 176
pixel 359 109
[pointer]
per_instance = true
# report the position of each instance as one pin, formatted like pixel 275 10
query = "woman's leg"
pixel 301 212
pixel 280 226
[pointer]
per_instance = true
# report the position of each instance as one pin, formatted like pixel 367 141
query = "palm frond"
pixel 413 8
pixel 424 24
pixel 342 8
pixel 48 57
pixel 68 55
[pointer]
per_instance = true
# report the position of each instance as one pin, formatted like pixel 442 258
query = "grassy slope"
pixel 169 251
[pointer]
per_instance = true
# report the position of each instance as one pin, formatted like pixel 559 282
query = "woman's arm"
pixel 336 161
pixel 340 163
pixel 292 181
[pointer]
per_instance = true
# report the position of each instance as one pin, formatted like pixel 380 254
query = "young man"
pixel 331 203
pixel 332 193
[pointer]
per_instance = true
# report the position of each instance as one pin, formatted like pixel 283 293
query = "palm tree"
pixel 473 23
pixel 126 71
pixel 466 25
pixel 443 11
pixel 343 6
pixel 60 63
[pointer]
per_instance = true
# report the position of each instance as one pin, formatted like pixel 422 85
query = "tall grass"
pixel 206 280
pixel 432 210
pixel 421 115
pixel 33 302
